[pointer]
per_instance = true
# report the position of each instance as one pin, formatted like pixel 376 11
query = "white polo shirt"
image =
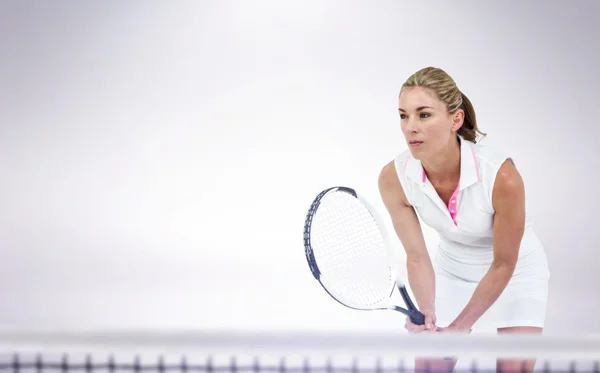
pixel 466 249
pixel 465 226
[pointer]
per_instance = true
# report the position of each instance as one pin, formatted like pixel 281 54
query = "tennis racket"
pixel 348 252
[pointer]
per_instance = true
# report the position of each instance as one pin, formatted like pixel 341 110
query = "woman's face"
pixel 426 124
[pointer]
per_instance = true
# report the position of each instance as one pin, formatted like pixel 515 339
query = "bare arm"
pixel 421 277
pixel 508 199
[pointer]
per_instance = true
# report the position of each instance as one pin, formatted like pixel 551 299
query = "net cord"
pixel 313 343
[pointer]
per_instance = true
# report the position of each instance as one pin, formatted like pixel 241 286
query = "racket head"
pixel 348 251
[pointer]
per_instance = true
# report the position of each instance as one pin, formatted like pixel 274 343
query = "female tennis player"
pixel 490 267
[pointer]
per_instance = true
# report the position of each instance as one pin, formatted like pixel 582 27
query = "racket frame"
pixel 411 310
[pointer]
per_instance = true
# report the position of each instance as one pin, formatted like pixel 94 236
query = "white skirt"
pixel 522 303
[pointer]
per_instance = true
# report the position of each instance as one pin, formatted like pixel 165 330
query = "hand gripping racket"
pixel 348 252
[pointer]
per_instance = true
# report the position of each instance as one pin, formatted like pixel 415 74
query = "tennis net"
pixel 291 352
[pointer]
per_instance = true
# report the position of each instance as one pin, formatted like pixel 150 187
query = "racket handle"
pixel 417 317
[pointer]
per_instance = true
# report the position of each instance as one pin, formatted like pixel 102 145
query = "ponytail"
pixel 469 129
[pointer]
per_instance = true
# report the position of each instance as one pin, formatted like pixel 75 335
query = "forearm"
pixel 487 292
pixel 421 279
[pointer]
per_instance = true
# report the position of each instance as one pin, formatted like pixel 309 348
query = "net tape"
pixel 227 351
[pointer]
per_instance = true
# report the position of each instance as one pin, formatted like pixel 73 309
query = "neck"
pixel 444 166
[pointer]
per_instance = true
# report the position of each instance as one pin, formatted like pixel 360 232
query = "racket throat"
pixel 409 304
pixel 415 315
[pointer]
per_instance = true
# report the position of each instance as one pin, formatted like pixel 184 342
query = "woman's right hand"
pixel 429 325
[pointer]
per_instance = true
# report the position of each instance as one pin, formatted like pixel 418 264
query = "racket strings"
pixel 350 251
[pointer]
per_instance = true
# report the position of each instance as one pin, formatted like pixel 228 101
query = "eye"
pixel 402 116
pixel 424 115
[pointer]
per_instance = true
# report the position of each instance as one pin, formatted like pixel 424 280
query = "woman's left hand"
pixel 454 329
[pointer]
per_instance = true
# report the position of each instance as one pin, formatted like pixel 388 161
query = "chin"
pixel 416 156
pixel 416 153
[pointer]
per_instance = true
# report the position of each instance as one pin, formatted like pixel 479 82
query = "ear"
pixel 458 118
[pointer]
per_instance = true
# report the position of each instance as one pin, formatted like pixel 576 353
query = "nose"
pixel 410 125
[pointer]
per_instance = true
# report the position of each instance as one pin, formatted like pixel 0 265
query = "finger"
pixel 429 321
pixel 416 328
pixel 409 322
pixel 411 327
pixel 432 328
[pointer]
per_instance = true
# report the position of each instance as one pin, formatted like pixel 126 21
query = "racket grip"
pixel 417 317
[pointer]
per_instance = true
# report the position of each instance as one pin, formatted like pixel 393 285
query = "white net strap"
pixel 308 343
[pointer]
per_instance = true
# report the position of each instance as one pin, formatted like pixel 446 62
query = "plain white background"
pixel 157 158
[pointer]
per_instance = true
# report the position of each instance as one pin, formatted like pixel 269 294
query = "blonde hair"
pixel 446 90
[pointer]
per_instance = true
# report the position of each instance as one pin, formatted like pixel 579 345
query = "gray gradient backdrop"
pixel 157 158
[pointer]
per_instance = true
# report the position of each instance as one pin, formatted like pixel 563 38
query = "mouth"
pixel 415 143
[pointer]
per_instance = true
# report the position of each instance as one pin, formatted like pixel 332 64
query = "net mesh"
pixel 285 352
pixel 350 251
